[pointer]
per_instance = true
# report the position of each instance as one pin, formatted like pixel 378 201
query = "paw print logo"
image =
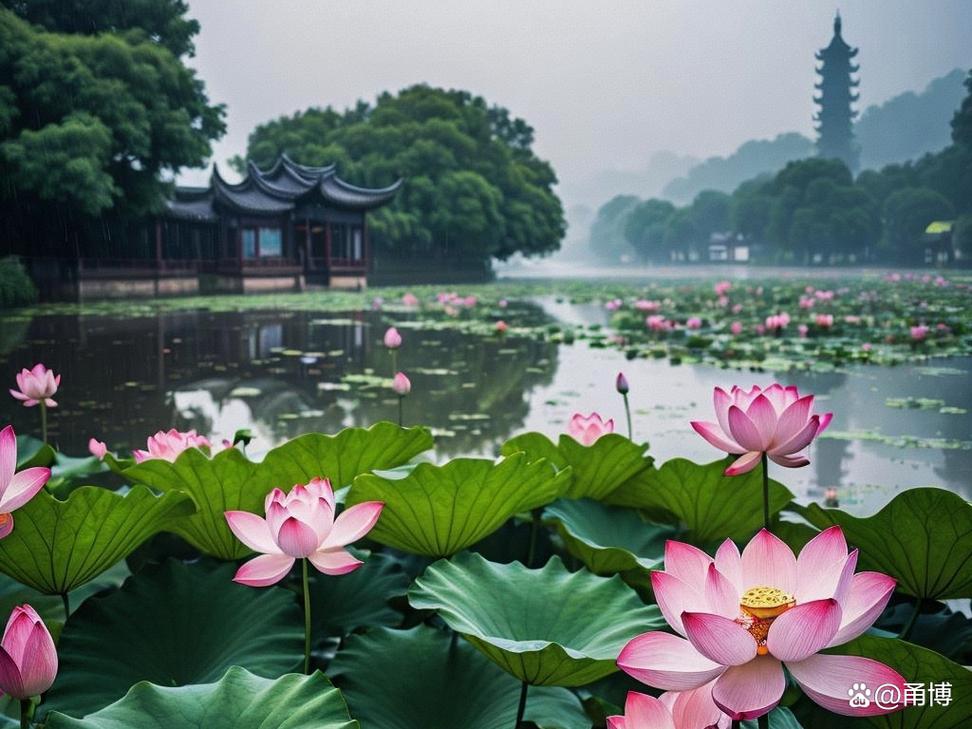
pixel 859 696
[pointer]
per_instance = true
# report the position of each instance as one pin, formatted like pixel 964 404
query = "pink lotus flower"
pixel 672 710
pixel 776 421
pixel 97 448
pixel 645 305
pixel 587 429
pixel 824 320
pixel 722 288
pixel 470 301
pixel 300 525
pixel 502 303
pixel 736 328
pixel 777 322
pixel 694 323
pixel 410 299
pixel 501 326
pixel 37 385
pixel 16 489
pixel 393 340
pixel 28 658
pixel 919 333
pixel 743 617
pixel 401 384
pixel 614 304
pixel 658 323
pixel 802 330
pixel 168 445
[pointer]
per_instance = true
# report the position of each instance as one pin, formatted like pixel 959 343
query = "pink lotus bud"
pixel 31 658
pixel 621 384
pixel 410 299
pixel 867 346
pixel 501 326
pixel 586 430
pixel 97 448
pixel 736 327
pixel 775 420
pixel 722 288
pixel 301 525
pixel 802 330
pixel 377 303
pixel 694 323
pixel 393 340
pixel 401 384
pixel 37 385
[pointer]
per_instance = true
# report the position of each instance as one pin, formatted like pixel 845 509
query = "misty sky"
pixel 604 83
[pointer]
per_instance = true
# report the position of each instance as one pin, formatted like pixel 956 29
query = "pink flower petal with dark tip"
pixel 799 441
pixel 296 538
pixel 721 595
pixel 719 639
pixel 690 564
pixel 764 417
pixel 750 690
pixel 744 431
pixel 744 464
pixel 23 487
pixel 645 712
pixel 722 401
pixel 790 461
pixel 674 597
pixel 252 530
pixel 803 630
pixel 729 563
pixel 865 601
pixel 38 665
pixel 824 422
pixel 8 456
pixel 335 561
pixel 793 419
pixel 714 435
pixel 695 708
pixel 10 680
pixel 816 563
pixel 265 570
pixel 768 561
pixel 667 662
pixel 353 523
pixel 829 681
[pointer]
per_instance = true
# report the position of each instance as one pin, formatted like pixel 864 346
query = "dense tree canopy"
pixel 473 187
pixel 96 111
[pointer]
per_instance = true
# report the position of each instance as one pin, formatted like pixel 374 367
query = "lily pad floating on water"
pixel 446 685
pixel 173 624
pixel 598 469
pixel 437 511
pixel 547 626
pixel 238 700
pixel 57 546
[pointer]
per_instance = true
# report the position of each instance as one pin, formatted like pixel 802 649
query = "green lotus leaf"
pixel 598 469
pixel 446 685
pixel 33 452
pixel 708 504
pixel 57 546
pixel 547 626
pixel 917 665
pixel 439 510
pixel 358 599
pixel 238 700
pixel 173 624
pixel 922 538
pixel 609 539
pixel 229 481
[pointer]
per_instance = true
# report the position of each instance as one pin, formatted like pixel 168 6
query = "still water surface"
pixel 285 373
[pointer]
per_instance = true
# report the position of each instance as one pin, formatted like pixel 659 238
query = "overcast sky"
pixel 604 83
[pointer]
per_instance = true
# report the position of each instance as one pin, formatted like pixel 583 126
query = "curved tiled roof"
pixel 277 190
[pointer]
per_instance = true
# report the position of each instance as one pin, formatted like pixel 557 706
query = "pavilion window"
pixel 271 243
pixel 248 238
pixel 357 248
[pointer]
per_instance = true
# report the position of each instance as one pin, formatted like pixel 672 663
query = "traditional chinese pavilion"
pixel 282 228
pixel 835 119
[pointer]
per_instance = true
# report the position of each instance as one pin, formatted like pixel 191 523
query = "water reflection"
pixel 284 373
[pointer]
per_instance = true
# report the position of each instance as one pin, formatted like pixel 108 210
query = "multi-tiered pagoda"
pixel 835 119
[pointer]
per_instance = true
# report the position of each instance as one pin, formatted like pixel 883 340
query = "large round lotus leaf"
pixel 547 626
pixel 437 511
pixel 598 469
pixel 229 481
pixel 239 700
pixel 429 681
pixel 609 539
pixel 923 539
pixel 173 624
pixel 57 546
pixel 359 599
pixel 710 505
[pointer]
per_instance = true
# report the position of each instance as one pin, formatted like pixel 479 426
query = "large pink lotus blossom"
pixel 743 617
pixel 28 658
pixel 672 710
pixel 586 429
pixel 167 445
pixel 16 489
pixel 37 385
pixel 300 525
pixel 776 421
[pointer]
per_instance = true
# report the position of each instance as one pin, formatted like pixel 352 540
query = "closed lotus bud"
pixel 501 326
pixel 31 664
pixel 393 340
pixel 621 383
pixel 401 384
pixel 97 448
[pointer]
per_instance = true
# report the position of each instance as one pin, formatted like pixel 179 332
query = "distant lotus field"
pixel 355 579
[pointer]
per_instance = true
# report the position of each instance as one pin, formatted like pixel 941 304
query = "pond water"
pixel 281 373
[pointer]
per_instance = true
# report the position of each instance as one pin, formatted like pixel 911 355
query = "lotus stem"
pixel 763 721
pixel 26 713
pixel 400 419
pixel 67 605
pixel 534 528
pixel 524 687
pixel 766 508
pixel 394 359
pixel 43 414
pixel 307 617
pixel 627 414
pixel 906 631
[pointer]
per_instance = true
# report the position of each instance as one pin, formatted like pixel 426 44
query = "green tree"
pixel 962 121
pixel 645 228
pixel 474 189
pixel 607 237
pixel 907 212
pixel 94 124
